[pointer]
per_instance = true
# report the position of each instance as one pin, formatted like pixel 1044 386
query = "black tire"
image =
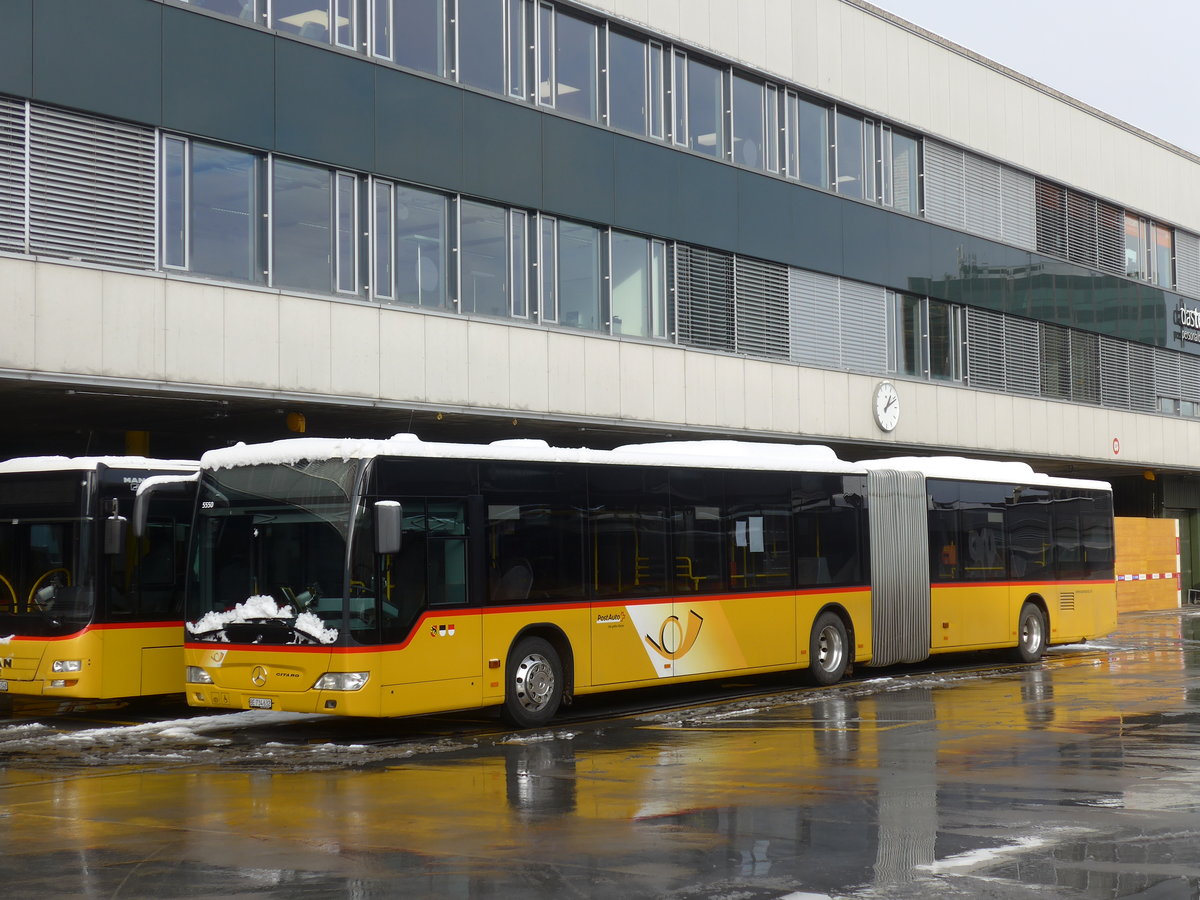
pixel 533 683
pixel 1031 634
pixel 828 649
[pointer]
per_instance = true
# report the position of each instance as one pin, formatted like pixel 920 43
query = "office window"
pixel 211 210
pixel 635 85
pixel 302 232
pixel 327 21
pixel 346 215
pixel 901 181
pixel 944 340
pixel 422 241
pixel 383 200
pixel 639 286
pixel 851 173
pixel 567 62
pixel 679 94
pixel 412 33
pixel 518 263
pixel 520 27
pixel 705 108
pixel 772 136
pixel 236 9
pixel 806 127
pixel 481 44
pixel 748 122
pixel 483 259
pixel 926 338
pixel 578 275
pixel 548 268
pixel 1149 251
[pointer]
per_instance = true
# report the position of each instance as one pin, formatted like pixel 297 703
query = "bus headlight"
pixel 196 675
pixel 67 665
pixel 341 681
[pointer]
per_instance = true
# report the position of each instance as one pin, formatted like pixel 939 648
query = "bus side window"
pixel 1029 549
pixel 697 545
pixel 628 528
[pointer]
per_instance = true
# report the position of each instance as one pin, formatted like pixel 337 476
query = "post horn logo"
pixel 670 633
pixel 259 676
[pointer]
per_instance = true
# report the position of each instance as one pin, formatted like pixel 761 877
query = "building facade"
pixel 591 222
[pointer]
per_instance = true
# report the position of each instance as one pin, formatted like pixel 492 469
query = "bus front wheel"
pixel 533 685
pixel 828 649
pixel 1031 634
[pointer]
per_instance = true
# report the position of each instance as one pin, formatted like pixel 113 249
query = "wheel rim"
pixel 1031 633
pixel 829 649
pixel 534 681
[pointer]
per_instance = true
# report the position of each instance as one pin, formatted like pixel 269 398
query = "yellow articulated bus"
pixel 398 577
pixel 88 610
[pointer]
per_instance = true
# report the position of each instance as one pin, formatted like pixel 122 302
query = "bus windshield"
pixel 269 553
pixel 47 584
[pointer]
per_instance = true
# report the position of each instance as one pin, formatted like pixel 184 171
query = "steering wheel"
pixel 11 605
pixel 45 576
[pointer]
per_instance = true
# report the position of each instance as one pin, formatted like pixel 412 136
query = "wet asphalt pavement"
pixel 1076 777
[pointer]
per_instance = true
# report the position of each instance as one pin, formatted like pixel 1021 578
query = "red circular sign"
pixel 1116 446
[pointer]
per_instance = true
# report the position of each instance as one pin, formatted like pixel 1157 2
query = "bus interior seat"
pixel 515 583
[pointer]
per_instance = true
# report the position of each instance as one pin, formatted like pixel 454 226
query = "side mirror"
pixel 389 522
pixel 114 534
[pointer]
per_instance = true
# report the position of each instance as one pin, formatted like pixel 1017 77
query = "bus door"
pixel 632 573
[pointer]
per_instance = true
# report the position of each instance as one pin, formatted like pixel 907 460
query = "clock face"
pixel 886 406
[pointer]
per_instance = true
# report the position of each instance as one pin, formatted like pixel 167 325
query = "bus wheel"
pixel 1031 634
pixel 533 683
pixel 828 649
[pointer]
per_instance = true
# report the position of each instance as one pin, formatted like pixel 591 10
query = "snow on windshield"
pixel 263 606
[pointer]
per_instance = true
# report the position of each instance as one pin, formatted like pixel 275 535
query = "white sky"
pixel 1133 60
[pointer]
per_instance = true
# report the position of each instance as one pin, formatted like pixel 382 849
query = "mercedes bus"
pixel 399 577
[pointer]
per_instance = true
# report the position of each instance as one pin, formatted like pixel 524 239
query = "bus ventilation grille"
pixel 1066 601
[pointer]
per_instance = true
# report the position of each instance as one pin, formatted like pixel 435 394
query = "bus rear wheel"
pixel 1031 634
pixel 533 685
pixel 828 649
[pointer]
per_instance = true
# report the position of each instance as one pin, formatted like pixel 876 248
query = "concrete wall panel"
pixel 195 332
pixel 132 331
pixel 69 308
pixel 305 346
pixel 18 312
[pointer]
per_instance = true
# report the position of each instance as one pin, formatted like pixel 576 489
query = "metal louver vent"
pixel 91 189
pixel 1167 372
pixel 1020 214
pixel 12 174
pixel 1051 207
pixel 984 203
pixel 761 308
pixel 1056 360
pixel 1021 353
pixel 1085 367
pixel 1187 263
pixel 1081 229
pixel 863 330
pixel 704 298
pixel 1114 373
pixel 1066 600
pixel 985 349
pixel 1141 378
pixel 815 319
pixel 1189 380
pixel 945 195
pixel 1110 238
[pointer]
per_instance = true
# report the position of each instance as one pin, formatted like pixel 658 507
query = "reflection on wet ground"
pixel 1076 777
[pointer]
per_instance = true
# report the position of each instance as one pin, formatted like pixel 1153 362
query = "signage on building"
pixel 1188 320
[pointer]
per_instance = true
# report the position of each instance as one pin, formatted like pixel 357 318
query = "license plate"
pixel 260 702
pixel 3 685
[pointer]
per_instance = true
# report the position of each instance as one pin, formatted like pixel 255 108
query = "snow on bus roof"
pixel 961 469
pixel 705 454
pixel 87 463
